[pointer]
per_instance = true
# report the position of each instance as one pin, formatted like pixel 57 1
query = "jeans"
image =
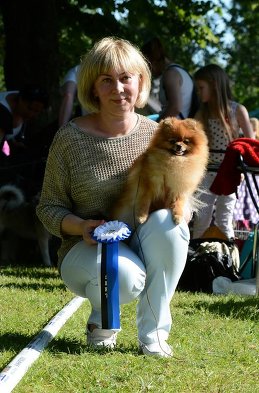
pixel 149 269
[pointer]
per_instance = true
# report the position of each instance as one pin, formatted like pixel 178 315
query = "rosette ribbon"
pixel 108 236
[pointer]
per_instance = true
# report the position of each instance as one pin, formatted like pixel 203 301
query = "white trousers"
pixel 149 268
pixel 221 205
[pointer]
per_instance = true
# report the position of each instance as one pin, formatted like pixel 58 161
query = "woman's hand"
pixel 88 226
pixel 74 225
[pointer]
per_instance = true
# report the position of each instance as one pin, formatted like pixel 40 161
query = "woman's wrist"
pixel 72 225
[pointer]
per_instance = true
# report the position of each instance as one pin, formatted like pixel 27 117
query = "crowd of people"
pixel 87 166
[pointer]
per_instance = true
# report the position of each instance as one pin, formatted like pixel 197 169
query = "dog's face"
pixel 179 137
pixel 11 197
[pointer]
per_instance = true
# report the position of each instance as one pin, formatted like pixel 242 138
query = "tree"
pixel 243 66
pixel 31 43
pixel 43 39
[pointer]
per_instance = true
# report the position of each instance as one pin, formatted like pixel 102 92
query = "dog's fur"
pixel 167 174
pixel 18 219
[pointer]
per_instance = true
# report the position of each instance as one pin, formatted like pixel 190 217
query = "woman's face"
pixel 204 90
pixel 117 91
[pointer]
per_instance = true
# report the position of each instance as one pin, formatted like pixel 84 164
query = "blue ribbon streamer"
pixel 110 286
pixel 109 235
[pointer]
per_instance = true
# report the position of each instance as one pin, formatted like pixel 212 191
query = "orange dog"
pixel 167 174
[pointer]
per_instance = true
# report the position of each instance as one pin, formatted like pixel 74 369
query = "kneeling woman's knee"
pixel 160 226
pixel 132 275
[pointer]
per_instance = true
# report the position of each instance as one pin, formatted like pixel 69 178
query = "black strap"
pixel 104 288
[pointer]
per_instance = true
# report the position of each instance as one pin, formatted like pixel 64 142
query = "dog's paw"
pixel 142 219
pixel 177 218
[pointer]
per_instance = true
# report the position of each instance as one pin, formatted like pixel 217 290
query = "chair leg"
pixel 256 257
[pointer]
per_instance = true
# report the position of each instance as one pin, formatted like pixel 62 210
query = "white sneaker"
pixel 160 349
pixel 101 338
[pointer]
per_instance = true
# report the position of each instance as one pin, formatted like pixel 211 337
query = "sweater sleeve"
pixel 54 202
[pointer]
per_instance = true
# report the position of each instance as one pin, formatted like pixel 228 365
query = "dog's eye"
pixel 173 141
pixel 187 141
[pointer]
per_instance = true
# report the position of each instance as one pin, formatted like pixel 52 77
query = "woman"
pixel 224 120
pixel 86 169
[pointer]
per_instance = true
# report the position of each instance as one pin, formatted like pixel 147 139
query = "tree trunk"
pixel 31 45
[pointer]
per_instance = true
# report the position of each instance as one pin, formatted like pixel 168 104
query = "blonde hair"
pixel 111 53
pixel 255 126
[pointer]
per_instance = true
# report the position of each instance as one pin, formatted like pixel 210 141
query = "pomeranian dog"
pixel 18 219
pixel 167 174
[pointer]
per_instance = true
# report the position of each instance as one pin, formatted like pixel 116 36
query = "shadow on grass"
pixel 30 272
pixel 13 341
pixel 35 286
pixel 243 309
pixel 17 274
pixel 76 348
pixel 17 342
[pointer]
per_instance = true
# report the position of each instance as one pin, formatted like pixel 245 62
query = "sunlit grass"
pixel 215 341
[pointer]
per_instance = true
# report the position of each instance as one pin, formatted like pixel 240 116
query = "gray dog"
pixel 18 218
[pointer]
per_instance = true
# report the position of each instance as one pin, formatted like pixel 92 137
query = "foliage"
pixel 182 26
pixel 194 33
pixel 243 63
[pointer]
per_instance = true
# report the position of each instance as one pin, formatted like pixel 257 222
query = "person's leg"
pixel 203 217
pixel 163 247
pixel 224 214
pixel 79 273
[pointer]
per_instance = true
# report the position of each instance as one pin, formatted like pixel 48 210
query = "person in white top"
pixel 69 94
pixel 176 84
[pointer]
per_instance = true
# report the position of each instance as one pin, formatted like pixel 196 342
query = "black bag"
pixel 206 260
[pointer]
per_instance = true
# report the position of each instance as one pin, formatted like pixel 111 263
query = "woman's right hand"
pixel 88 226
pixel 74 225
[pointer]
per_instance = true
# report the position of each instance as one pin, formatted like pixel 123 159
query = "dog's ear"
pixel 193 124
pixel 190 122
pixel 168 122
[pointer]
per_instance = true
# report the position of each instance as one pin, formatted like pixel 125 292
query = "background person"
pixel 175 86
pixel 86 169
pixel 69 97
pixel 17 108
pixel 255 126
pixel 223 120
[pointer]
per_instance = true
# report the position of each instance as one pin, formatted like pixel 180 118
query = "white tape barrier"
pixel 15 370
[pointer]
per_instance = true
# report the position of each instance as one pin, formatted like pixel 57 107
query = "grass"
pixel 215 341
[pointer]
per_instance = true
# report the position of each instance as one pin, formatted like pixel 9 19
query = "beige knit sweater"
pixel 84 174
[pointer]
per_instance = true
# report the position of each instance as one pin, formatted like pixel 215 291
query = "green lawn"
pixel 215 341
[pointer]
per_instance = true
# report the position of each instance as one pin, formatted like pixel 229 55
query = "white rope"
pixel 15 370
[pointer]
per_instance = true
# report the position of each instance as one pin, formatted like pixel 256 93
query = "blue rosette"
pixel 111 231
pixel 108 236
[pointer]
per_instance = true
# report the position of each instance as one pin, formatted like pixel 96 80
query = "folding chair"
pixel 253 171
pixel 241 156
